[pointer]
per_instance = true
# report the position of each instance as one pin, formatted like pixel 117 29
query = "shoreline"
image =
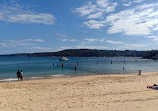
pixel 65 76
pixel 5 80
pixel 57 76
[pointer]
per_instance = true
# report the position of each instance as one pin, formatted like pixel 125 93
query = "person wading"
pixel 21 75
pixel 18 75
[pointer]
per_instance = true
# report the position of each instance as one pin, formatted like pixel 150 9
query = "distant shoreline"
pixel 89 53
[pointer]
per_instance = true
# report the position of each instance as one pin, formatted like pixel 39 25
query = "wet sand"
pixel 85 93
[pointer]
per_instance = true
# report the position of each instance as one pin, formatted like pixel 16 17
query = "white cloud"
pixel 131 2
pixel 86 9
pixel 102 3
pixel 64 47
pixel 3 44
pixel 138 1
pixel 137 21
pixel 64 40
pixel 67 40
pixel 73 40
pixel 24 42
pixel 21 15
pixel 97 7
pixel 95 15
pixel 39 40
pixel 111 8
pixel 130 46
pixel 90 47
pixel 96 10
pixel 91 40
pixel 93 24
pixel 42 49
pixel 83 47
pixel 127 4
pixel 153 37
pixel 30 18
pixel 114 42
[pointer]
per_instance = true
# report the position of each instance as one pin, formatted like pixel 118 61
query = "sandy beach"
pixel 85 93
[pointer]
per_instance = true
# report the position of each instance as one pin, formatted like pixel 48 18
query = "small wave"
pixel 60 76
pixel 8 80
pixel 35 78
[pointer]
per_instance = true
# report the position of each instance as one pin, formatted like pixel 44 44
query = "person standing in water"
pixel 18 74
pixel 21 75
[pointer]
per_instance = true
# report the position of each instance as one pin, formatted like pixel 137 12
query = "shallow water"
pixel 34 67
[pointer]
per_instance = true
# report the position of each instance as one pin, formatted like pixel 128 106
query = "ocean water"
pixel 37 67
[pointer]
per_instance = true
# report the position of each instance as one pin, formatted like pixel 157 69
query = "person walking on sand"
pixel 18 74
pixel 21 75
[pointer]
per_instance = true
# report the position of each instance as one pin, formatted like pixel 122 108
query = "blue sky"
pixel 53 25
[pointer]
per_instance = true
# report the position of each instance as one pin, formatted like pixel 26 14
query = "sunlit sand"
pixel 85 93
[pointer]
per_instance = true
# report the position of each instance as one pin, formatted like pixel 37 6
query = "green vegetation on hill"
pixel 93 53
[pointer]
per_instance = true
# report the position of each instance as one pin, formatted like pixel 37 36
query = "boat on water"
pixel 63 59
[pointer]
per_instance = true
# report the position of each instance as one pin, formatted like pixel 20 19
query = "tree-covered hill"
pixel 91 53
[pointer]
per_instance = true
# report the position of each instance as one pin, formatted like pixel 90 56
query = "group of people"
pixel 20 75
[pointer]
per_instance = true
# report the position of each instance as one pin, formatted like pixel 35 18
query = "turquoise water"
pixel 43 66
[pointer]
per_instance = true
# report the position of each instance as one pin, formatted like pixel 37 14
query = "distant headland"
pixel 149 54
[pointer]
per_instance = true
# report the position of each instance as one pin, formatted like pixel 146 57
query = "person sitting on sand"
pixel 155 86
pixel 18 74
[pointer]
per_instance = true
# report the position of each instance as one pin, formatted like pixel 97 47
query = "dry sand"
pixel 86 93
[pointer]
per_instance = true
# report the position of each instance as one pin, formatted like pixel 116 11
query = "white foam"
pixel 60 75
pixel 36 77
pixel 31 78
pixel 8 80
